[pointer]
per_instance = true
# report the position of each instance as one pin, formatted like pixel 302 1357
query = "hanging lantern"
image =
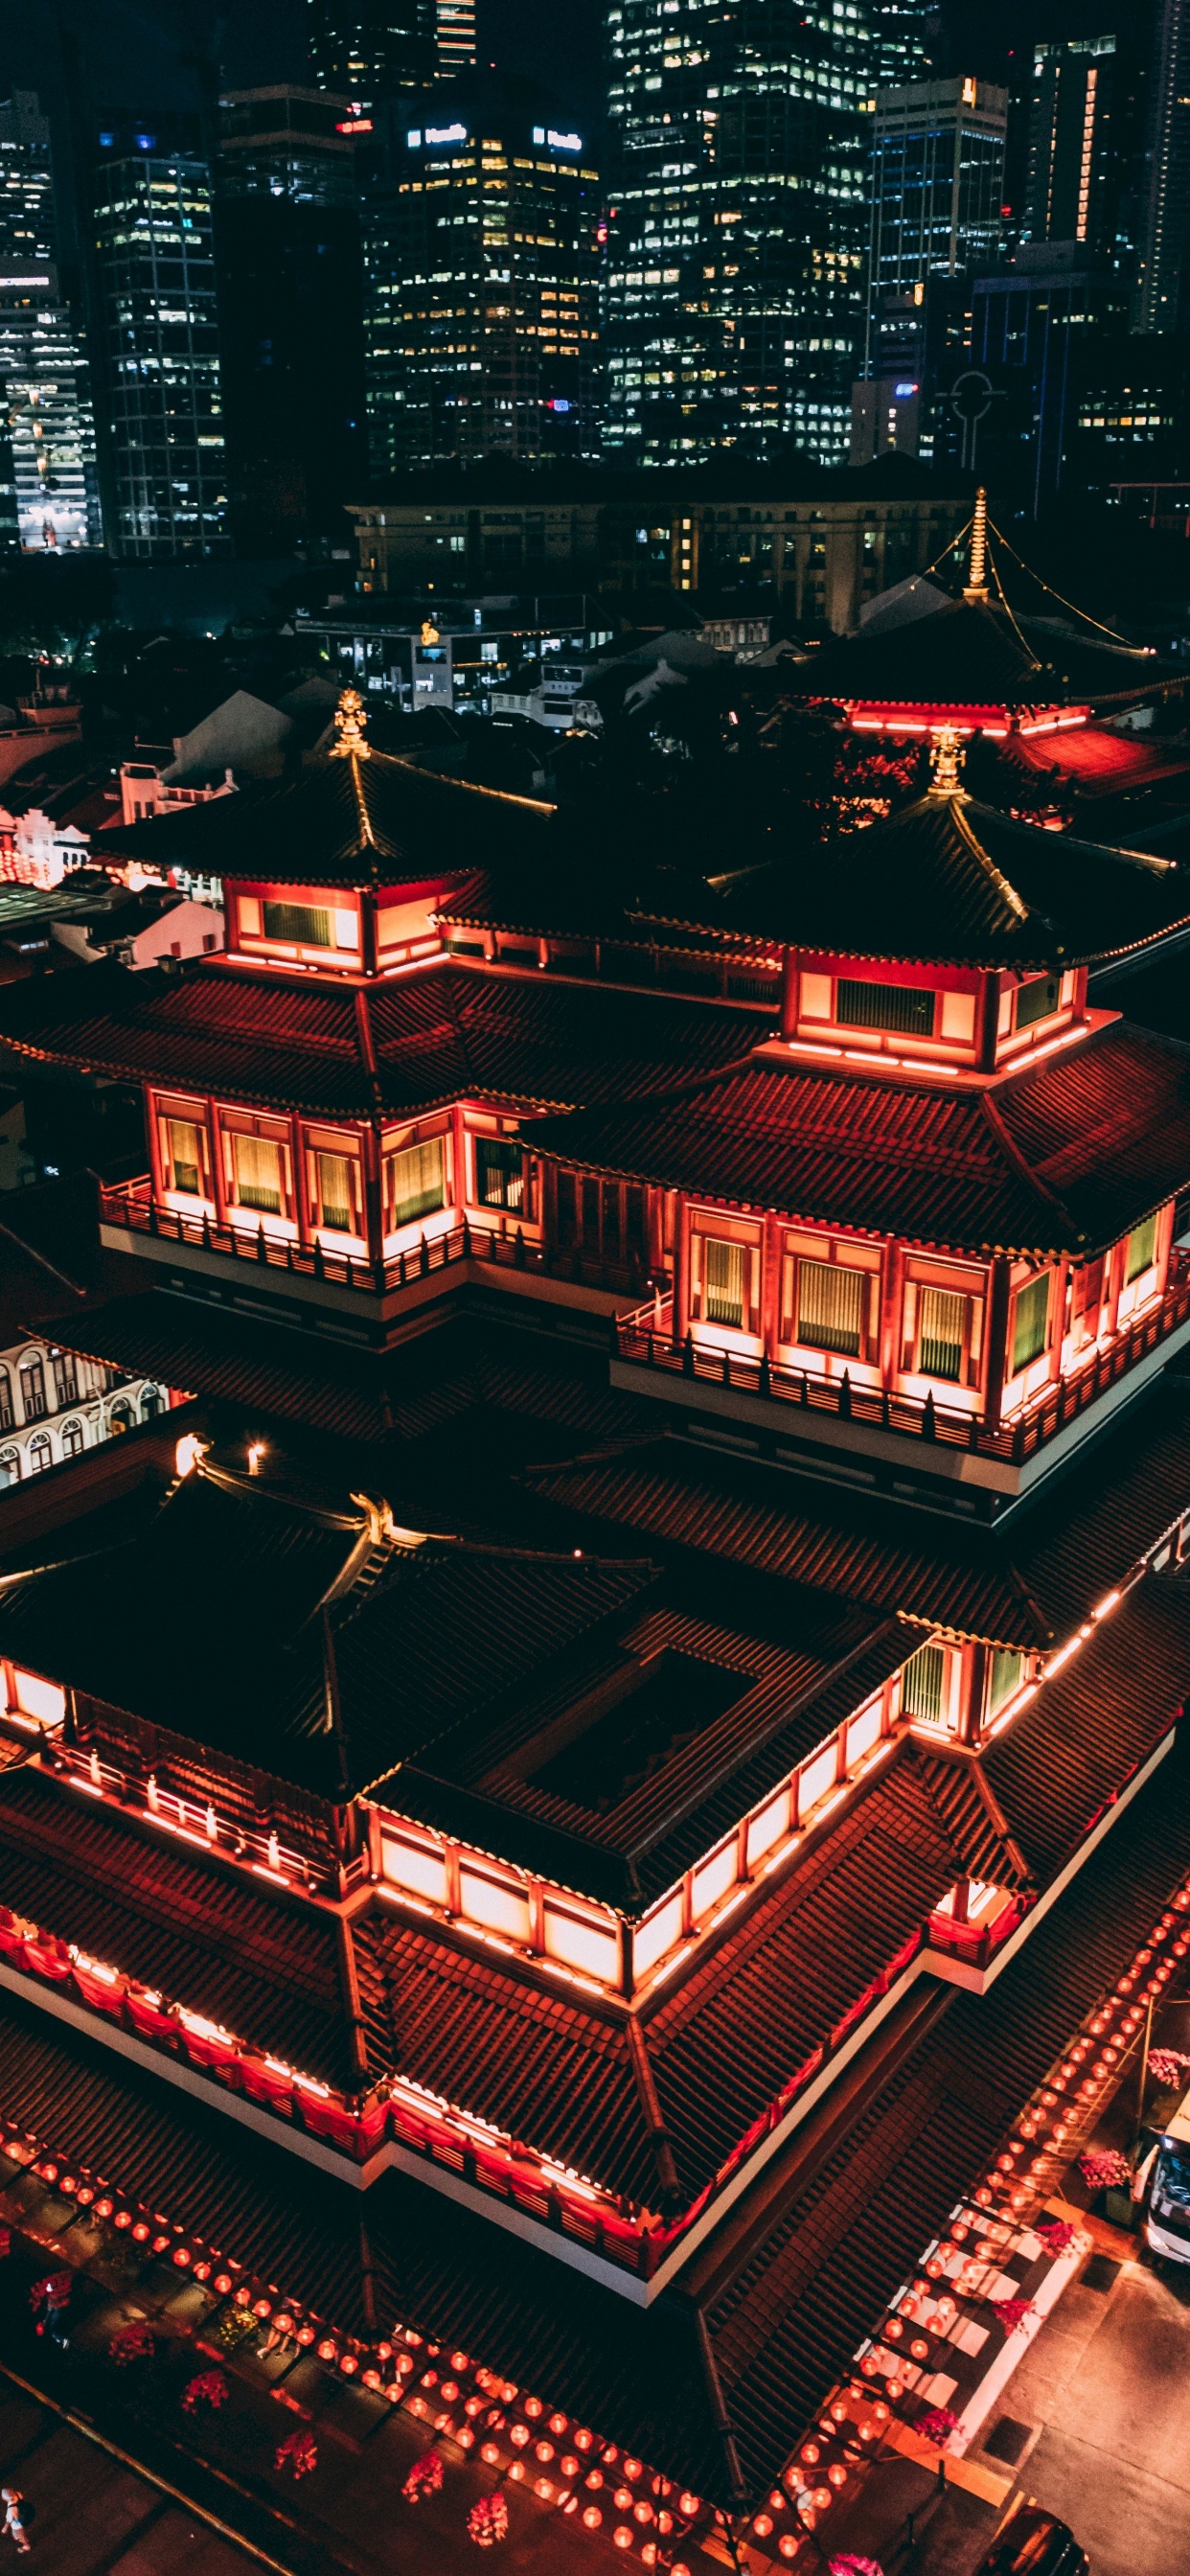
pixel 487 2521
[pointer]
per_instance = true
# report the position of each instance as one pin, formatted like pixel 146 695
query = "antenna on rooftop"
pixel 977 572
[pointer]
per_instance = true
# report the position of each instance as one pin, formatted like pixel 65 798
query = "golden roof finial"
pixel 946 756
pixel 977 570
pixel 351 715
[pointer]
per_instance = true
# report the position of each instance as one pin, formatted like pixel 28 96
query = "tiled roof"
pixel 1062 1157
pixel 972 653
pixel 956 882
pixel 202 1936
pixel 1029 1583
pixel 1065 1756
pixel 784 2315
pixel 420 1636
pixel 446 1033
pixel 358 822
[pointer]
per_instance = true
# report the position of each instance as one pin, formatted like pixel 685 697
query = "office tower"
pixel 1163 293
pixel 481 224
pixel 737 224
pixel 368 49
pixel 288 259
pixel 43 370
pixel 454 36
pixel 155 276
pixel 936 185
pixel 1086 139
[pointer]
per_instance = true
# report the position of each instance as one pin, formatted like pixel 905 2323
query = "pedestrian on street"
pixel 12 2500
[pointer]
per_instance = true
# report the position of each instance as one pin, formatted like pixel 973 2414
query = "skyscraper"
pixel 454 35
pixel 287 243
pixel 1163 290
pixel 43 372
pixel 482 284
pixel 155 269
pixel 368 49
pixel 737 226
pixel 936 185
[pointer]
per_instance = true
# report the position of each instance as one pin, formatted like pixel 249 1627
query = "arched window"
pixel 41 1453
pixel 10 1467
pixel 33 1403
pixel 72 1439
pixel 151 1404
pixel 121 1416
pixel 5 1400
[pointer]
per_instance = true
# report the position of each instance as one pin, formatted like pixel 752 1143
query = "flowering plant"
pixel 135 2342
pixel 236 2326
pixel 1013 2314
pixel 487 2521
pixel 1055 2233
pixel 1105 2169
pixel 53 2292
pixel 425 2478
pixel 849 2566
pixel 209 2389
pixel 1168 2066
pixel 938 2425
pixel 298 2453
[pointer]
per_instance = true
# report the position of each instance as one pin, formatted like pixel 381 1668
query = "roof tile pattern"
pixel 1061 1158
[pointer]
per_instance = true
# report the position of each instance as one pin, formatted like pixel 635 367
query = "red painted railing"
pixel 645 1340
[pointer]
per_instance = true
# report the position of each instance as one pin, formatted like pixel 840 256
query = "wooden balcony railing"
pixel 645 1340
pixel 131 1204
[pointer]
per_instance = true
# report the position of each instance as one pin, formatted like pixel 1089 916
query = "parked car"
pixel 1163 2176
pixel 1034 2542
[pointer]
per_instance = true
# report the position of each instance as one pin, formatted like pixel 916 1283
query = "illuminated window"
pixel 72 1439
pixel 941 1346
pixel 499 1172
pixel 830 1307
pixel 1007 1674
pixel 1032 1317
pixel 923 1686
pixel 65 1379
pixel 1142 1249
pixel 305 924
pixel 5 1400
pixel 41 1453
pixel 413 1184
pixel 336 1191
pixel 1036 1001
pixel 884 1006
pixel 185 1157
pixel 723 1301
pixel 258 1174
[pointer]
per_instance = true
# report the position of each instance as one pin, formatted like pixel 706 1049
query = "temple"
pixel 665 1579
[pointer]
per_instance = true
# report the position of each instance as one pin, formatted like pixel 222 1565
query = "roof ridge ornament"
pixel 351 715
pixel 976 586
pixel 946 755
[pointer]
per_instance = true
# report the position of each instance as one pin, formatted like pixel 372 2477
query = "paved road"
pixel 90 2516
pixel 1105 2391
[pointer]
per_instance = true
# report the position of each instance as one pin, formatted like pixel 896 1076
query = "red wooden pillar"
pixel 681 1294
pixel 770 1284
pixel 153 1141
pixel 976 1663
pixel 373 1214
pixel 301 1195
pixel 218 1166
pixel 789 992
pixel 996 1341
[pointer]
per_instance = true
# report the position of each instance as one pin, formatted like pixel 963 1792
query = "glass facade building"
pixel 937 185
pixel 43 369
pixel 738 221
pixel 155 265
pixel 370 49
pixel 481 228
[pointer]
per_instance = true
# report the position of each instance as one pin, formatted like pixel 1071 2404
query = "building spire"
pixel 946 756
pixel 351 715
pixel 977 571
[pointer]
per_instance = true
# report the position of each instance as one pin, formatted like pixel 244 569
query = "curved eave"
pixel 1080 1247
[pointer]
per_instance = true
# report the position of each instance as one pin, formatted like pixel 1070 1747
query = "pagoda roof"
pixel 446 1032
pixel 975 653
pixel 1063 1156
pixel 953 882
pixel 785 2294
pixel 352 1651
pixel 368 819
pixel 1028 1583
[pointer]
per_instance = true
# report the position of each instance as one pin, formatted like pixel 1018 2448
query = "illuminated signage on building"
pixel 557 142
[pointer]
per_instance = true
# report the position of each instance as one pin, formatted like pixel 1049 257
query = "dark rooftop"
pixel 974 652
pixel 1063 1156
